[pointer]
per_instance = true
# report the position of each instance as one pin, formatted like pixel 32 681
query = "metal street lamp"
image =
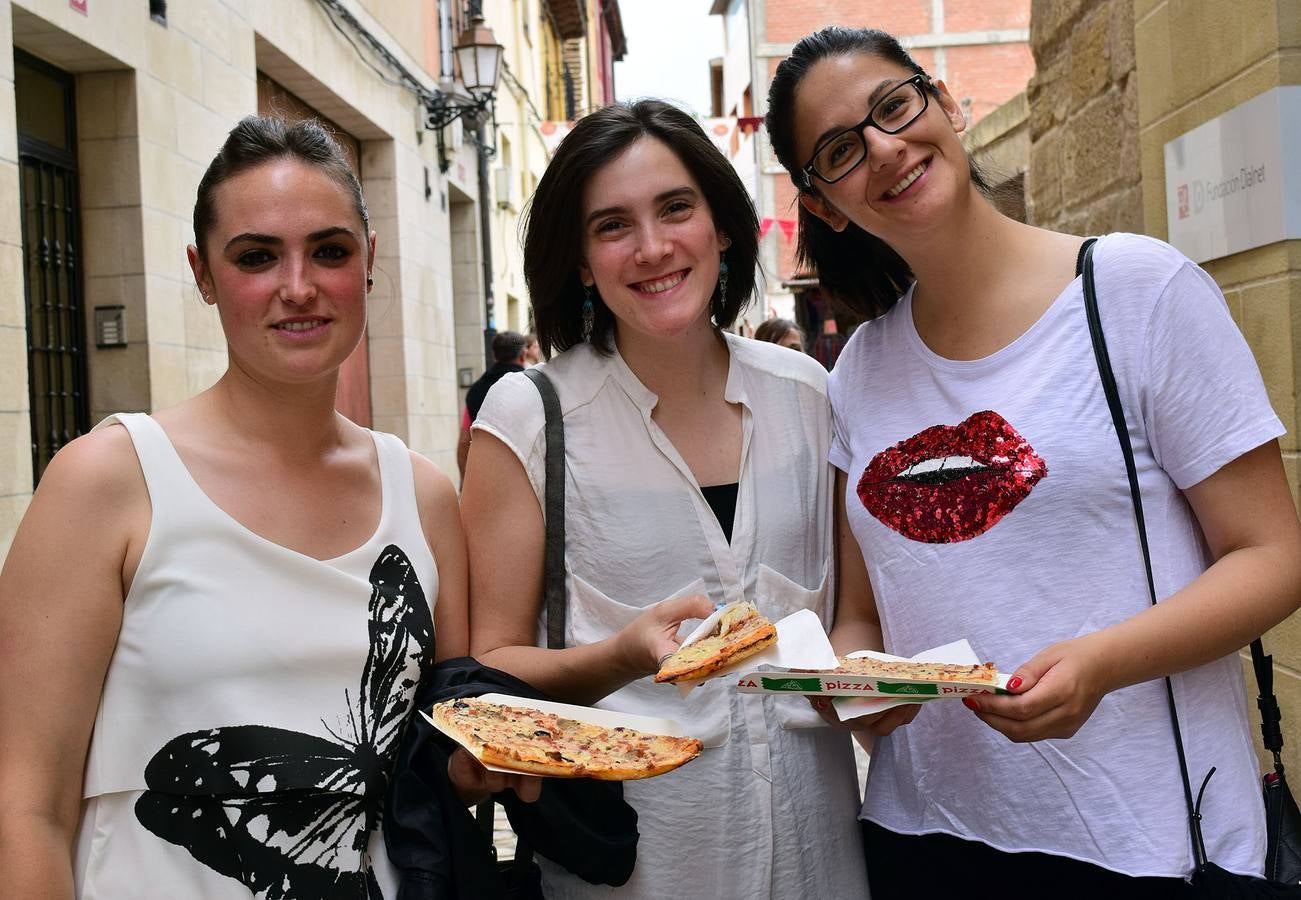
pixel 478 57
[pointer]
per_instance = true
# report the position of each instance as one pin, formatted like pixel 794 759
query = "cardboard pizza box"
pixel 604 717
pixel 880 693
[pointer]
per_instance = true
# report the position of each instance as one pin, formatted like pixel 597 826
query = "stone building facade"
pixel 111 109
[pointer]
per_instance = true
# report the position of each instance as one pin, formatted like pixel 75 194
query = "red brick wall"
pixel 790 20
pixel 985 15
pixel 990 75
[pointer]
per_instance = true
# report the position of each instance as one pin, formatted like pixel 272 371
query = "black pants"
pixel 905 866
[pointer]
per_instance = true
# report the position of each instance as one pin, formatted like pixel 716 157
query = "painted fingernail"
pixel 1014 682
pixel 970 703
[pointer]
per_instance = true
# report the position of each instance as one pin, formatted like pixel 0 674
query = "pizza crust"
pixel 541 743
pixel 982 673
pixel 742 632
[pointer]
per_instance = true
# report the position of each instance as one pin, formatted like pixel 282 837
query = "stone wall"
pixel 1197 60
pixel 1084 160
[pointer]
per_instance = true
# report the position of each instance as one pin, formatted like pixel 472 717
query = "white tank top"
pixel 254 701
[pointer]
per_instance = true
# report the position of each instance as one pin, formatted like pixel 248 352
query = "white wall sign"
pixel 1234 183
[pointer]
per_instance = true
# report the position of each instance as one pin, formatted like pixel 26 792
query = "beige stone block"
pixel 1254 265
pixel 157 104
pixel 12 305
pixel 176 60
pixel 1092 150
pixel 165 237
pixel 106 105
pixel 378 160
pixel 1267 325
pixel 112 241
pixel 168 375
pixel 1155 67
pixel 110 172
pixel 207 22
pixel 227 91
pixel 12 509
pixel 1143 7
pixel 1242 33
pixel 1151 154
pixel 1089 53
pixel 8 122
pixel 200 131
pixel 1049 18
pixel 165 310
pixel 1121 39
pixel 119 379
pixel 6 59
pixel 11 229
pixel 13 373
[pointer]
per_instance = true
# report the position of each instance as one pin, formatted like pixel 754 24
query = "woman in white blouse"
pixel 696 468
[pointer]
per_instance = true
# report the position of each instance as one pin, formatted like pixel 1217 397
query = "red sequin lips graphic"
pixel 951 482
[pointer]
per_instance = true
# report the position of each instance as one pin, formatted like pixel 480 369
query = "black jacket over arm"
pixel 433 839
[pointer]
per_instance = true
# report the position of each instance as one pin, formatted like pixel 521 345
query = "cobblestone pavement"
pixel 504 838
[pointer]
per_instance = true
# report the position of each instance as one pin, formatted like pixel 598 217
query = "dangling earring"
pixel 722 286
pixel 588 313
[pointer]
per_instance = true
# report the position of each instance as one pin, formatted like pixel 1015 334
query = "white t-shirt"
pixel 771 787
pixel 995 507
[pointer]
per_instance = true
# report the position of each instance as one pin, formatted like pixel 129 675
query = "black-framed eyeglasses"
pixel 842 153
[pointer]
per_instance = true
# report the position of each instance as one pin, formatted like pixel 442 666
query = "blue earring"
pixel 588 313
pixel 722 280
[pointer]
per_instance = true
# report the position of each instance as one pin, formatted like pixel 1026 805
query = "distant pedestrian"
pixel 532 352
pixel 510 352
pixel 782 332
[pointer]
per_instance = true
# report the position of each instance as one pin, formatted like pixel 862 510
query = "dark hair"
pixel 508 345
pixel 856 268
pixel 258 139
pixel 773 330
pixel 553 235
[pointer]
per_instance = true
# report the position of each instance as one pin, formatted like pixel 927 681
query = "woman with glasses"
pixel 696 475
pixel 981 494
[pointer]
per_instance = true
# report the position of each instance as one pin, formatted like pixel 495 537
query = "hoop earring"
pixel 588 313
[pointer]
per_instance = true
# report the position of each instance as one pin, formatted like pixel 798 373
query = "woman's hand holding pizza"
pixel 475 783
pixel 1052 695
pixel 652 636
pixel 876 724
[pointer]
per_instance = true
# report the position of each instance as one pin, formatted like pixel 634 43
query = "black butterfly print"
pixel 288 814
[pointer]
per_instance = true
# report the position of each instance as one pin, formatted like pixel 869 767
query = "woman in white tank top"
pixel 215 619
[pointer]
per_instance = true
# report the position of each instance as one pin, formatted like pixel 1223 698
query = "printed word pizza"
pixel 741 632
pixel 984 673
pixel 542 743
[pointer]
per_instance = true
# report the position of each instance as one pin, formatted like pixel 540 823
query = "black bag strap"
pixel 554 510
pixel 553 571
pixel 1084 266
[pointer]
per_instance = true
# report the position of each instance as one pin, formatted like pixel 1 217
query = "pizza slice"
pixel 543 743
pixel 983 673
pixel 741 631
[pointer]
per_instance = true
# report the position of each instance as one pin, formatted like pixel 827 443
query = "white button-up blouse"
pixel 770 789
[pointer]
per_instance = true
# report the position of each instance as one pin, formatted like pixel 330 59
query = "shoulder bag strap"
pixel 1084 266
pixel 554 503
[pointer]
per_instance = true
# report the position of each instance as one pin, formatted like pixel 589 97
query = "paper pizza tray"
pixel 830 684
pixel 603 717
pixel 898 690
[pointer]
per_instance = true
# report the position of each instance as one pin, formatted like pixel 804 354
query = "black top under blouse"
pixel 722 500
